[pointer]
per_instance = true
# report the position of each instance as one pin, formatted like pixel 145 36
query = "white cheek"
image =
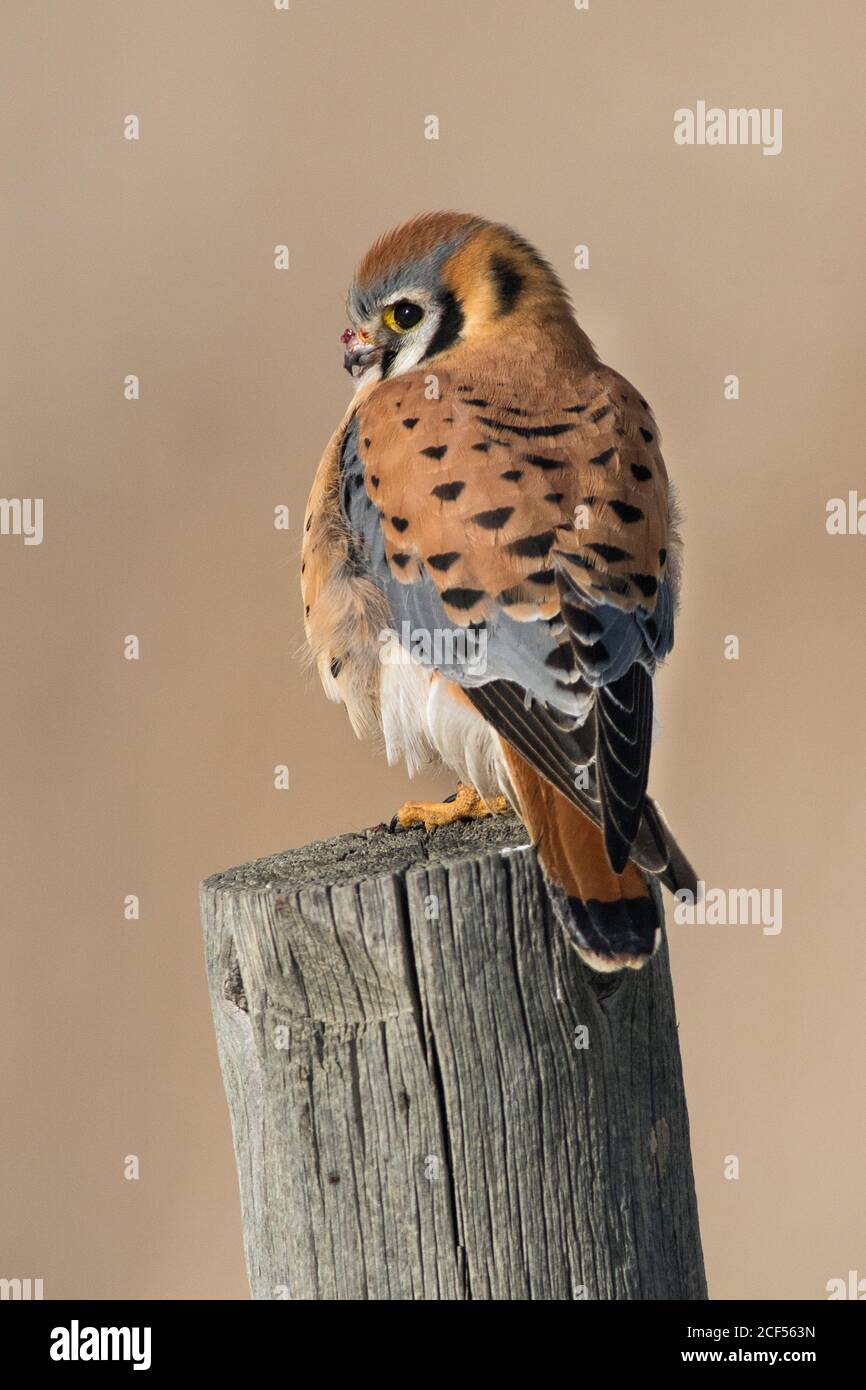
pixel 413 350
pixel 373 373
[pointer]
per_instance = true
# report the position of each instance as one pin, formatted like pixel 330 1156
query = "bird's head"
pixel 445 281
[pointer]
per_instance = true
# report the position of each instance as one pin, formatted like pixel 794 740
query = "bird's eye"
pixel 403 315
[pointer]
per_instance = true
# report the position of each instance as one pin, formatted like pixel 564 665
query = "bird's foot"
pixel 465 804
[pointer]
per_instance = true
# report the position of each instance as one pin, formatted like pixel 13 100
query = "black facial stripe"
pixel 450 325
pixel 508 283
pixel 388 361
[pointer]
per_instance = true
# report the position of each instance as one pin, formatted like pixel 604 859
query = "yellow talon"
pixel 466 805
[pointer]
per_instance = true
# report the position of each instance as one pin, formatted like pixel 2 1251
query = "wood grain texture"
pixel 399 1021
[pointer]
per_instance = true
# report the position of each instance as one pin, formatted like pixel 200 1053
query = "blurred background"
pixel 154 257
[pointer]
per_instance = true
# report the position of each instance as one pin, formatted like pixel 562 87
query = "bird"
pixel 491 566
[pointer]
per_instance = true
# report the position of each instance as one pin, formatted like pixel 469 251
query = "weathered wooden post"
pixel 431 1096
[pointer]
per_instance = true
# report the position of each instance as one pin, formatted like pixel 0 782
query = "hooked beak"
pixel 358 355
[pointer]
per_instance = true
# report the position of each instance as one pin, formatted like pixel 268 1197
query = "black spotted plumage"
pixel 447 492
pixel 509 483
pixel 593 660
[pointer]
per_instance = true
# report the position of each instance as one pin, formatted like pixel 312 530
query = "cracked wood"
pixel 399 1021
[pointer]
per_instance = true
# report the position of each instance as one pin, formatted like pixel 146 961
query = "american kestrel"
pixel 491 563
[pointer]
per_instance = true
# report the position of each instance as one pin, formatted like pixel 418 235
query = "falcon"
pixel 491 565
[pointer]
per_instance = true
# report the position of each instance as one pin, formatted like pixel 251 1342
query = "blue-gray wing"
pixel 545 608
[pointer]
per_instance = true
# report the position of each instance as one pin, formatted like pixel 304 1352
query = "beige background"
pixel 260 127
